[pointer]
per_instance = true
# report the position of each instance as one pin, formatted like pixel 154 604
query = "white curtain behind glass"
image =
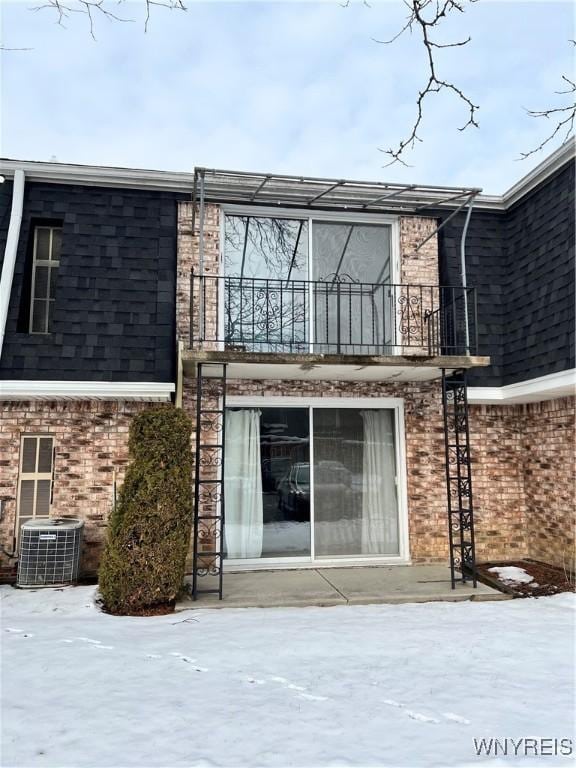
pixel 379 498
pixel 243 527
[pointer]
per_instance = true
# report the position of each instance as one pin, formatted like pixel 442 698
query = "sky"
pixel 289 87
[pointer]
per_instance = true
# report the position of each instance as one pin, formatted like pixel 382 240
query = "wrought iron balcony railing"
pixel 331 317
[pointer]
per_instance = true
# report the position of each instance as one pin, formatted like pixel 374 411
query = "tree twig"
pixel 92 8
pixel 427 15
pixel 565 117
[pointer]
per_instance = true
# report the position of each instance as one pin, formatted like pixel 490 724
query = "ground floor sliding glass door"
pixel 313 484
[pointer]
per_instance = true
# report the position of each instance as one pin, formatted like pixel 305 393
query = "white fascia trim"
pixel 527 183
pixel 549 387
pixel 11 249
pixel 85 390
pixel 178 181
pixel 100 176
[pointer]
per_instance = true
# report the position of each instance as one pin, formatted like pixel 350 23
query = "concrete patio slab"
pixel 338 586
pixel 404 584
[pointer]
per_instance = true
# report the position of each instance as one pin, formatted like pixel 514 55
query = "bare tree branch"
pixel 565 117
pixel 93 8
pixel 426 16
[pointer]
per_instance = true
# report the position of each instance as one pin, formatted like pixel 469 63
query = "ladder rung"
pixel 200 480
pixel 210 445
pixel 209 517
pixel 209 554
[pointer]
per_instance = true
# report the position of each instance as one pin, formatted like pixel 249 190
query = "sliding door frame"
pixel 305 214
pixel 361 403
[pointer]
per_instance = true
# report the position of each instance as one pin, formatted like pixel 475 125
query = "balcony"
pixel 308 324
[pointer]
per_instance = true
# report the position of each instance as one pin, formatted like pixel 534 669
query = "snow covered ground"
pixel 386 685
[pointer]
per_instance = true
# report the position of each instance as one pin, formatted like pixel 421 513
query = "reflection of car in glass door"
pixel 273 470
pixel 331 478
pixel 294 492
pixel 334 482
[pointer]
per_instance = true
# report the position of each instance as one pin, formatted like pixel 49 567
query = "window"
pixel 35 484
pixel 45 263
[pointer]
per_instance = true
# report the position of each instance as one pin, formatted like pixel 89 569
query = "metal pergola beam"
pixel 326 191
pixel 260 187
pixel 389 195
pixel 442 224
pixel 454 197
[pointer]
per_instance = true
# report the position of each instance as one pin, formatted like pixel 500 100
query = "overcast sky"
pixel 283 86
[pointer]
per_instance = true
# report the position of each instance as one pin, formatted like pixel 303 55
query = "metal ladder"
pixel 458 477
pixel 208 532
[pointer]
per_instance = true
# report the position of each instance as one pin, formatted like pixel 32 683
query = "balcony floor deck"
pixel 318 367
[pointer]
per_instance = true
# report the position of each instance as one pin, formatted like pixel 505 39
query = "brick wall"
pixel 523 467
pixel 188 259
pixel 418 267
pixel 549 472
pixel 91 443
pixel 497 449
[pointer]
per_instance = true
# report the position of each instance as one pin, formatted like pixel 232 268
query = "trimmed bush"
pixel 142 568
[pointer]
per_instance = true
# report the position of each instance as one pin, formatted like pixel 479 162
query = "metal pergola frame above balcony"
pixel 318 193
pixel 285 190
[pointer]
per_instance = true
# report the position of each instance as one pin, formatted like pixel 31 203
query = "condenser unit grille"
pixel 49 552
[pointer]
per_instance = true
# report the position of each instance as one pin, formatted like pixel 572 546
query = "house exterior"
pixel 87 286
pixel 338 345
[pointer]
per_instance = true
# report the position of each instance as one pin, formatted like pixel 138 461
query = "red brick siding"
pixel 549 477
pixel 91 443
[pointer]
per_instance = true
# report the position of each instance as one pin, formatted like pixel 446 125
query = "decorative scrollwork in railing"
pixel 339 277
pixel 210 569
pixel 211 423
pixel 456 423
pixel 458 456
pixel 267 310
pixel 209 532
pixel 210 494
pixel 410 317
pixel 211 457
pixel 338 313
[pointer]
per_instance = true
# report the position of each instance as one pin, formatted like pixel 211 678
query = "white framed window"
pixel 45 263
pixel 36 477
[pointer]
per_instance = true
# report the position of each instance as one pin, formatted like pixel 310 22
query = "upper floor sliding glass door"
pixel 307 285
